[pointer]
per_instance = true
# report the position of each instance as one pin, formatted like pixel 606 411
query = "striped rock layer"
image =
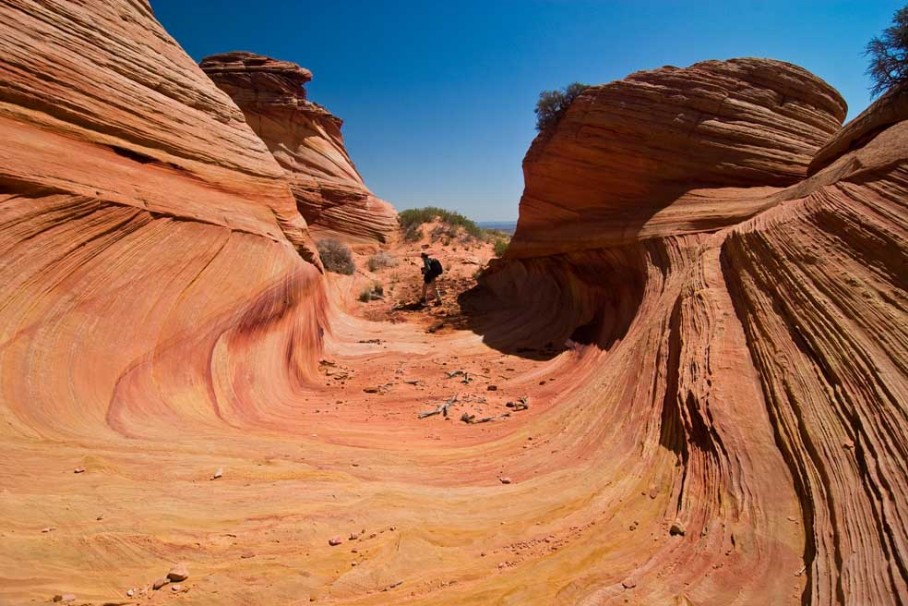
pixel 726 425
pixel 306 140
pixel 741 264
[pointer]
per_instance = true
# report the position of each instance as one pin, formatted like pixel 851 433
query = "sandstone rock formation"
pixel 743 268
pixel 306 140
pixel 726 425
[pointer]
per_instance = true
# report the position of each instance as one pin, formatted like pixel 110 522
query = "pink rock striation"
pixel 741 265
pixel 141 219
pixel 725 425
pixel 306 140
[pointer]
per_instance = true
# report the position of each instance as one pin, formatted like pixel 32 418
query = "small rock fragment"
pixel 628 583
pixel 247 554
pixel 176 588
pixel 354 536
pixel 677 529
pixel 492 388
pixel 48 529
pixel 159 583
pixel 66 597
pixel 333 541
pixel 178 573
pixel 79 470
pixel 653 491
pixel 218 473
pixel 130 592
pixel 504 480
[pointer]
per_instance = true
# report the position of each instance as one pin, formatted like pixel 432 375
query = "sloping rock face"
pixel 628 154
pixel 741 267
pixel 143 228
pixel 306 140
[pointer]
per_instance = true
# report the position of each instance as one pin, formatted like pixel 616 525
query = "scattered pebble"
pixel 653 491
pixel 628 583
pixel 354 536
pixel 176 588
pixel 246 555
pixel 159 583
pixel 504 480
pixel 48 529
pixel 335 541
pixel 178 573
pixel 492 388
pixel 79 470
pixel 218 473
pixel 130 592
pixel 677 529
pixel 66 597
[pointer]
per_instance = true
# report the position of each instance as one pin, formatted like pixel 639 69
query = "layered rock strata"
pixel 143 226
pixel 741 266
pixel 306 140
pixel 725 425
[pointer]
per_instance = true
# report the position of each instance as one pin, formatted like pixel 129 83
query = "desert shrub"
pixel 376 291
pixel 381 260
pixel 336 256
pixel 412 219
pixel 553 103
pixel 413 232
pixel 499 247
pixel 889 55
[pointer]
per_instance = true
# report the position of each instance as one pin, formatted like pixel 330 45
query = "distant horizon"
pixel 437 100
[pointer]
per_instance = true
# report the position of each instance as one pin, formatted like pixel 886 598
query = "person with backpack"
pixel 430 271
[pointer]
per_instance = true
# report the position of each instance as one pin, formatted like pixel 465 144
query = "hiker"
pixel 431 269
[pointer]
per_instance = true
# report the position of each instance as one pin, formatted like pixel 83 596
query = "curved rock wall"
pixel 306 140
pixel 725 426
pixel 647 155
pixel 144 229
pixel 768 320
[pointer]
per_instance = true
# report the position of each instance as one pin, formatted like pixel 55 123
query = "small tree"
pixel 889 55
pixel 553 103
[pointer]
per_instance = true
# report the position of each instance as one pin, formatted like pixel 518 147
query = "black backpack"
pixel 435 267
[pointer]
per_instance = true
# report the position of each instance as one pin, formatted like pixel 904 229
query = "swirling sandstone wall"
pixel 750 303
pixel 306 140
pixel 726 425
pixel 143 228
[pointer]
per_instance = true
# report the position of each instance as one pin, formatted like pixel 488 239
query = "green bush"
pixel 553 103
pixel 499 247
pixel 336 256
pixel 380 261
pixel 411 221
pixel 889 55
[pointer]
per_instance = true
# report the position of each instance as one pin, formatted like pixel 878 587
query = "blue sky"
pixel 437 98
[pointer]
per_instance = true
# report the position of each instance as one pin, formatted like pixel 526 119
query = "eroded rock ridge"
pixel 306 140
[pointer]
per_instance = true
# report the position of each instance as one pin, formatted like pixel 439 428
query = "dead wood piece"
pixel 442 408
pixel 520 404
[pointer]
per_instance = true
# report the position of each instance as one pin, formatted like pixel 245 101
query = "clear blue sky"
pixel 437 98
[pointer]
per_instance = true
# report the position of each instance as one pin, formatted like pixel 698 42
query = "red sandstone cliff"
pixel 752 321
pixel 306 140
pixel 142 223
